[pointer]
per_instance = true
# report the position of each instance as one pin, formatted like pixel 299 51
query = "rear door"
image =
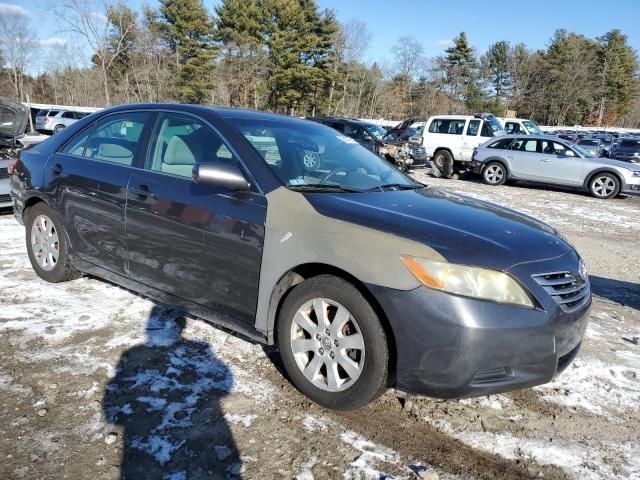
pixel 560 164
pixel 88 178
pixel 524 158
pixel 197 242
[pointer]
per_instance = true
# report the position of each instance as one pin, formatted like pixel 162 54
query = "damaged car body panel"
pixel 13 121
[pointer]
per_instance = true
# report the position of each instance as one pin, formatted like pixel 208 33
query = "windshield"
pixel 532 127
pixel 376 130
pixel 306 154
pixel 582 151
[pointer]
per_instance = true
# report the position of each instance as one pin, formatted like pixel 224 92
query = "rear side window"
pixel 115 138
pixel 68 115
pixel 181 141
pixel 501 144
pixel 53 113
pixel 513 127
pixel 525 145
pixel 447 126
pixel 77 143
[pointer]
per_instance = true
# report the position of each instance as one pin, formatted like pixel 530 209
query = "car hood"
pixel 614 163
pixel 462 229
pixel 13 118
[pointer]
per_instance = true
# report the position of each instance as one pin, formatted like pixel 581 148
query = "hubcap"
pixel 44 242
pixel 494 173
pixel 327 344
pixel 603 186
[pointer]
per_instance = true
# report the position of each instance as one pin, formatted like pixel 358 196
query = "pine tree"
pixel 189 31
pixel 462 73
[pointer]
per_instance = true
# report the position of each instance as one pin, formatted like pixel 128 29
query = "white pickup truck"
pixel 449 140
pixel 520 126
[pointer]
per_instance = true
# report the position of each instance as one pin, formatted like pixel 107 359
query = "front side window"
pixel 447 126
pixel 486 130
pixel 473 128
pixel 77 143
pixel 115 138
pixel 494 124
pixel 312 156
pixel 181 141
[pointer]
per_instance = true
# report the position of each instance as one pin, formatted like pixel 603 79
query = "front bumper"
pixel 631 186
pixel 454 347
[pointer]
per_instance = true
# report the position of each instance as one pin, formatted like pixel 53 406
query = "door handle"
pixel 142 191
pixel 57 169
pixel 545 160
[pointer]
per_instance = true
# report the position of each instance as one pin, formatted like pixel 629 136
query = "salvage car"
pixel 552 161
pixel 363 277
pixel 394 145
pixel 13 122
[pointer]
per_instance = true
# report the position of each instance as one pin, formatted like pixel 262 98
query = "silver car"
pixel 54 121
pixel 554 161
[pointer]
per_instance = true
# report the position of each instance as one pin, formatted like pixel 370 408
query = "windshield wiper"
pixel 320 187
pixel 396 186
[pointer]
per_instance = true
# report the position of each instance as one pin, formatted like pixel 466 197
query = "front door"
pixel 560 164
pixel 88 178
pixel 197 242
pixel 470 140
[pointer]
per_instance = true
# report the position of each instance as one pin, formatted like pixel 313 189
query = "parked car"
pixel 569 137
pixel 449 140
pixel 393 145
pixel 520 126
pixel 592 145
pixel 553 161
pixel 362 276
pixel 54 121
pixel 626 149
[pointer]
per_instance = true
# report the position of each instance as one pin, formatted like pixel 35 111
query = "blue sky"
pixel 434 24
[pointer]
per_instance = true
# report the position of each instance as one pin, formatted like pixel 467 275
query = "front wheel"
pixel 58 128
pixel 604 185
pixel 332 343
pixel 47 245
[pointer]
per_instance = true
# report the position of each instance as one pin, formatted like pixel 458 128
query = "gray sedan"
pixel 554 161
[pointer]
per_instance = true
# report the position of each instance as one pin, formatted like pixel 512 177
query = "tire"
pixel 58 128
pixel 494 174
pixel 57 266
pixel 365 377
pixel 443 161
pixel 604 186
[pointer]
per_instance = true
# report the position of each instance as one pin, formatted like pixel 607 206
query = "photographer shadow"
pixel 166 398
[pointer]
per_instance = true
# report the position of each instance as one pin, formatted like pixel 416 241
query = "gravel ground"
pixel 97 382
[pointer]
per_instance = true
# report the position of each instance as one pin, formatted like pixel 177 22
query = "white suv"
pixel 449 140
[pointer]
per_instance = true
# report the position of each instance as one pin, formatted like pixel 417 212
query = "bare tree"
pixel 17 45
pixel 89 20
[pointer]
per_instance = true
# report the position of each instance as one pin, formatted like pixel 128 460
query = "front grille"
pixel 5 198
pixel 4 173
pixel 569 291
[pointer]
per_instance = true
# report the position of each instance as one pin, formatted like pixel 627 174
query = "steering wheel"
pixel 337 170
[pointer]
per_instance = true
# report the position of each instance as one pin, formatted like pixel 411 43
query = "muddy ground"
pixel 99 383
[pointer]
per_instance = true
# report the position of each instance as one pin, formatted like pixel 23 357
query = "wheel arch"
pixel 603 170
pixel 30 202
pixel 305 271
pixel 446 149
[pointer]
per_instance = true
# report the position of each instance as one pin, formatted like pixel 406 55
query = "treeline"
pixel 289 56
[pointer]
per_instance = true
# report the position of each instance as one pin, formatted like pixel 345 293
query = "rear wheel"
pixel 58 128
pixel 494 174
pixel 604 185
pixel 332 343
pixel 47 245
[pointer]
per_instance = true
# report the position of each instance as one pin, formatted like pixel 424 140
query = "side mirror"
pixel 569 153
pixel 366 137
pixel 220 175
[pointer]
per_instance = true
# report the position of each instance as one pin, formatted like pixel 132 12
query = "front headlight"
pixel 468 281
